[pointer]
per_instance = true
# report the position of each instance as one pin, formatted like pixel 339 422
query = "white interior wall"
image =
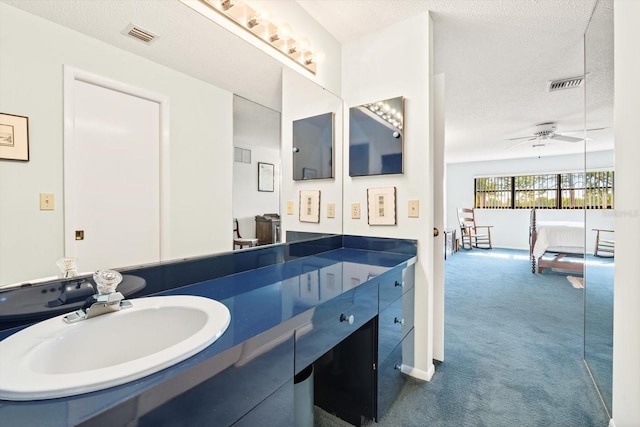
pixel 247 200
pixel 626 306
pixel 380 66
pixel 31 75
pixel 302 98
pixel 511 226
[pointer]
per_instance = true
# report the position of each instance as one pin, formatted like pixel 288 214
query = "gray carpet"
pixel 513 352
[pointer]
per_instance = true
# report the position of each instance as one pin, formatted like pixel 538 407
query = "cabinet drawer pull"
pixel 401 284
pixel 396 320
pixel 349 318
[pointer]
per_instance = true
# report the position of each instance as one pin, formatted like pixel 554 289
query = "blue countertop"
pixel 280 295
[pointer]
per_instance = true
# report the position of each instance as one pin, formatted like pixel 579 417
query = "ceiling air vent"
pixel 139 33
pixel 553 85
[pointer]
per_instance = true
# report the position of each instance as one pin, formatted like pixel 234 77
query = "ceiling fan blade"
pixel 566 138
pixel 521 137
pixel 522 142
pixel 582 130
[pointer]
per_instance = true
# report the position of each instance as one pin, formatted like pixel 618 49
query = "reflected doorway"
pixel 256 170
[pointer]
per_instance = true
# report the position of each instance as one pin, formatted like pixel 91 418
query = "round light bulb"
pixel 319 57
pixel 284 31
pixel 303 44
pixel 264 14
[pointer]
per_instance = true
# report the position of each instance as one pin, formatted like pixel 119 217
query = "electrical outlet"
pixel 46 202
pixel 289 207
pixel 331 210
pixel 414 209
pixel 355 210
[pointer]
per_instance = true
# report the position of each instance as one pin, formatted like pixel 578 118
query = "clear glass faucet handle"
pixel 107 281
pixel 68 267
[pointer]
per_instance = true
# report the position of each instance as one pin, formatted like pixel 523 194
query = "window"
pixel 536 191
pixel 577 190
pixel 599 190
pixel 493 192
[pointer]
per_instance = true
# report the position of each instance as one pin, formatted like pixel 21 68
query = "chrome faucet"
pixel 107 300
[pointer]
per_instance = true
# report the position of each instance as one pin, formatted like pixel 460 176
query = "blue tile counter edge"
pixel 267 299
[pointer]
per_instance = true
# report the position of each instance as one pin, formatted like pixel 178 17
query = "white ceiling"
pixel 496 56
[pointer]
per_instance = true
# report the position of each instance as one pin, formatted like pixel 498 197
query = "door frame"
pixel 71 75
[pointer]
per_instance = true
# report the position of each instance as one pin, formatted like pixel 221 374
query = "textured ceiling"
pixel 496 57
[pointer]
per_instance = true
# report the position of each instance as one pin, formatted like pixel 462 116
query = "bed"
pixel 556 244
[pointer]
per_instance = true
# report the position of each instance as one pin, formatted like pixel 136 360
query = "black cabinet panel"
pixel 344 378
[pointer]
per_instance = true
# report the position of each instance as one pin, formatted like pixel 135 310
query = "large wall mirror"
pixel 599 270
pixel 199 86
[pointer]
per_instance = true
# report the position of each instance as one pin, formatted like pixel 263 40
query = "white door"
pixel 112 177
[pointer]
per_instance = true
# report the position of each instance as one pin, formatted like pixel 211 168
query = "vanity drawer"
pixel 223 388
pixel 394 283
pixel 275 410
pixel 394 323
pixel 390 378
pixel 333 321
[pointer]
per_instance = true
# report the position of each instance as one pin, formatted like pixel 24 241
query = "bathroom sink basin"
pixel 56 359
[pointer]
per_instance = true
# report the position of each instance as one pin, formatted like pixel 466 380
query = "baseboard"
pixel 419 373
pixel 517 248
pixel 611 423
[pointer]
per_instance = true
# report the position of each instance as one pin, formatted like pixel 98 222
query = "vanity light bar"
pixel 258 22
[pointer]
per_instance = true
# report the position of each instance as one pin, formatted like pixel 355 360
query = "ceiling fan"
pixel 546 132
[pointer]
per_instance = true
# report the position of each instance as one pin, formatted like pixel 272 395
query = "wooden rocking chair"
pixel 604 245
pixel 476 236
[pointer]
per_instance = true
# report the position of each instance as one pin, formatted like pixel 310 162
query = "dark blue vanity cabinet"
pixel 358 378
pixel 348 311
pixel 395 333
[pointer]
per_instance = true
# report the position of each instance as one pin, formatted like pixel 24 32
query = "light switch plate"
pixel 46 202
pixel 289 207
pixel 355 210
pixel 331 210
pixel 414 209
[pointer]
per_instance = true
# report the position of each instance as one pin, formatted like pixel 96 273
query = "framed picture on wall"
pixel 381 206
pixel 14 137
pixel 309 206
pixel 265 176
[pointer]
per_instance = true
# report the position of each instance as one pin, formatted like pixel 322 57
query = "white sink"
pixel 55 359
